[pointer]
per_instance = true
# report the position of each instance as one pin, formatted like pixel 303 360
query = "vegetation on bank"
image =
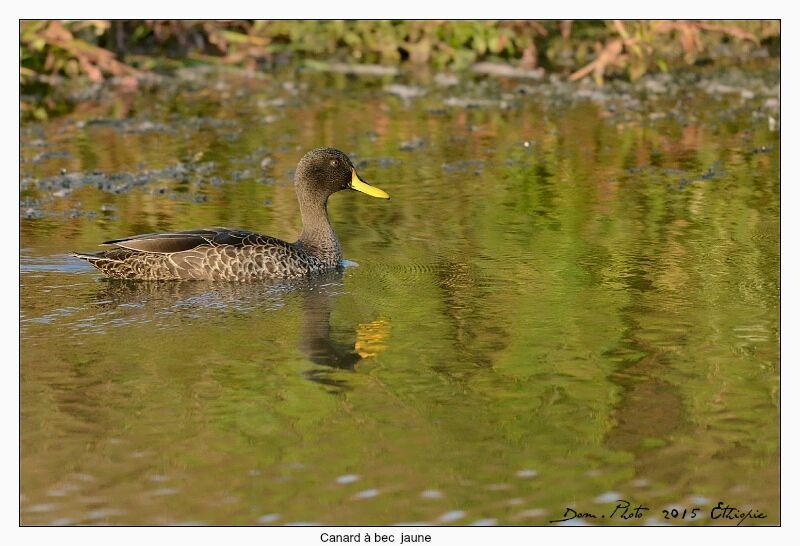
pixel 51 51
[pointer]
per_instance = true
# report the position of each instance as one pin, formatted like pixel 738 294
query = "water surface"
pixel 572 297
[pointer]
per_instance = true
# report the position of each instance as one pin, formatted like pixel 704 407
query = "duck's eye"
pixel 334 162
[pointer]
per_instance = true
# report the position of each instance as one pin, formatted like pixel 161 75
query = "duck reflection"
pixel 316 341
pixel 317 299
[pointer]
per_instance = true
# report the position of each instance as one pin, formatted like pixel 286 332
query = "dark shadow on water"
pixel 317 297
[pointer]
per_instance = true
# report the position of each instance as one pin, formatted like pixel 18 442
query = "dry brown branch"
pixel 620 28
pixel 566 28
pixel 537 26
pixel 728 29
pixel 608 55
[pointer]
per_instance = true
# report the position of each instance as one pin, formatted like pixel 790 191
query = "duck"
pixel 231 254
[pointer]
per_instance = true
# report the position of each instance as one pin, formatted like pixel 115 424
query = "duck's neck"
pixel 318 237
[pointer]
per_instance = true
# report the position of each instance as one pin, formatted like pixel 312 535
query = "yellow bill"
pixel 358 185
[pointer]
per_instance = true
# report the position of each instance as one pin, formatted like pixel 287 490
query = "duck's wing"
pixel 179 241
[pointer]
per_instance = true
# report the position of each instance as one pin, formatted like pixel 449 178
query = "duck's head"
pixel 324 171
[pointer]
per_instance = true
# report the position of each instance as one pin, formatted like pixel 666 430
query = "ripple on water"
pixel 63 490
pixel 58 263
pixel 53 316
pixel 103 513
pixel 452 515
pixel 431 494
pixel 530 513
pixel 608 496
pixel 445 273
pixel 163 491
pixel 753 333
pixel 575 523
pixel 41 508
pixel 269 518
pixel 366 494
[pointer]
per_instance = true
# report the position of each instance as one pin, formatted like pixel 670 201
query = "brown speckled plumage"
pixel 227 254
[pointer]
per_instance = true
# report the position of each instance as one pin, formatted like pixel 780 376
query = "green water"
pixel 563 304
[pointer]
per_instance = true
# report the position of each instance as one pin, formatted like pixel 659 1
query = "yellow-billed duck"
pixel 227 254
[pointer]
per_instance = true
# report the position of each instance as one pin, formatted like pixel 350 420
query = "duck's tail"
pixel 97 259
pixel 110 263
pixel 90 257
pixel 84 255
